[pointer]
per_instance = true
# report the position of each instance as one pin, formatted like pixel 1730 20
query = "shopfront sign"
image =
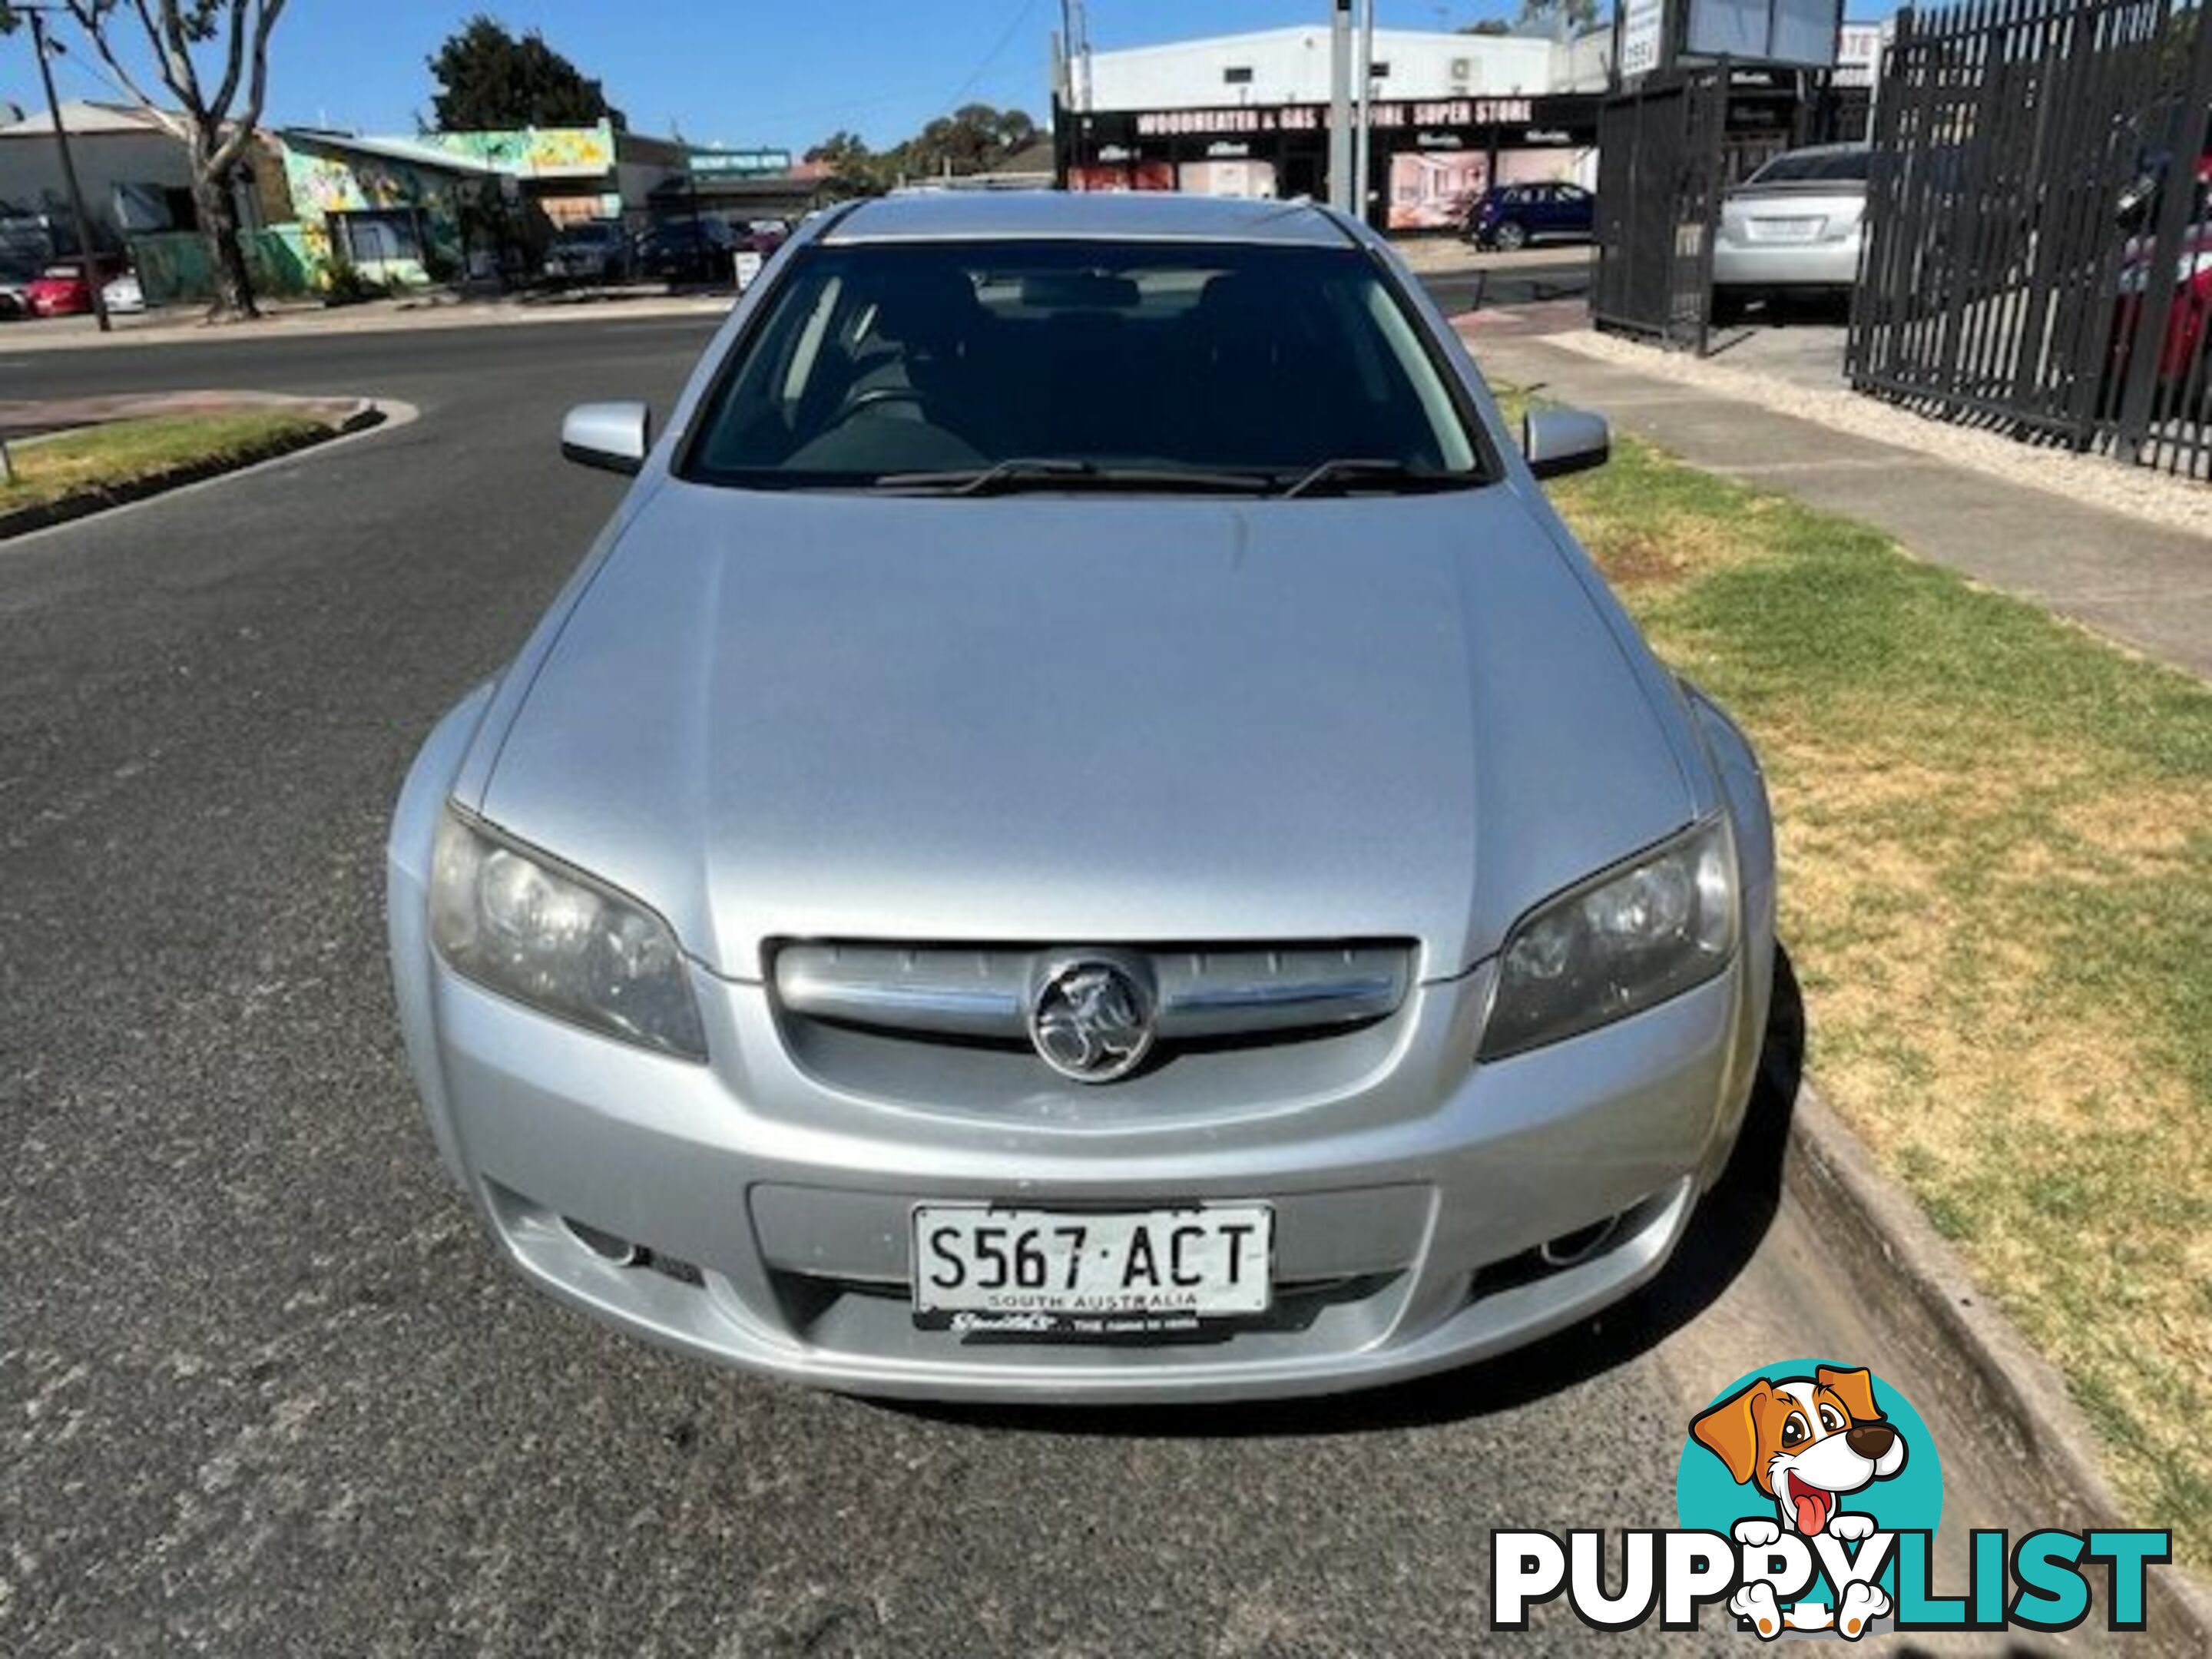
pixel 1313 117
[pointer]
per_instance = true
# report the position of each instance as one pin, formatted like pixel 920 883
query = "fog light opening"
pixel 676 1267
pixel 605 1245
pixel 1570 1250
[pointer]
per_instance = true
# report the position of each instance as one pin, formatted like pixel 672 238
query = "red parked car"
pixel 2188 335
pixel 2186 323
pixel 60 290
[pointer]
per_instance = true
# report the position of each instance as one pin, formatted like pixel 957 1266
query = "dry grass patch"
pixel 1996 844
pixel 124 455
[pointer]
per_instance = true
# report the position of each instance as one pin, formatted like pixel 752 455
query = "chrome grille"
pixel 963 991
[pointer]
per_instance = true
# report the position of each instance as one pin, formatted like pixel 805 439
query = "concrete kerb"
pixel 363 418
pixel 1943 1327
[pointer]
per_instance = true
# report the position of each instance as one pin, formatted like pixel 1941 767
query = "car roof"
pixel 1131 215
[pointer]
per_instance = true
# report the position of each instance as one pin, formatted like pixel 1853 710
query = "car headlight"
pixel 519 923
pixel 1617 943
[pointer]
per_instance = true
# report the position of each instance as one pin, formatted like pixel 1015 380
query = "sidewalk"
pixel 2145 583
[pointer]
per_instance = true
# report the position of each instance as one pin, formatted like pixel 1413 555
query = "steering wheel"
pixel 876 395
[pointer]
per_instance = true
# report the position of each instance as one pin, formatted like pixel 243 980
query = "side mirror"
pixel 2136 204
pixel 611 436
pixel 1557 441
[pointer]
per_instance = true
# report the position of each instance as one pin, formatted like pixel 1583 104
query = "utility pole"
pixel 69 168
pixel 1362 134
pixel 1339 107
pixel 1075 53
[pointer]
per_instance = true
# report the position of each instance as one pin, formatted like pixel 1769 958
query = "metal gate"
pixel 2039 256
pixel 1661 162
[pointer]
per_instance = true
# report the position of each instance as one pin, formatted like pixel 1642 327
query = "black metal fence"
pixel 1661 154
pixel 2039 250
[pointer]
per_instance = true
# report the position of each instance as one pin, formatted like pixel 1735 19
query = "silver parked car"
pixel 1794 227
pixel 1084 832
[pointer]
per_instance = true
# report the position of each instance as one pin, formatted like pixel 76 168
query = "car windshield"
pixel 1083 364
pixel 1815 167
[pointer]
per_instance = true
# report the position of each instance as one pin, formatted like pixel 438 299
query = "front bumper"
pixel 1408 1200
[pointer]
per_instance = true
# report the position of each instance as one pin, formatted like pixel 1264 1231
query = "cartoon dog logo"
pixel 1805 1443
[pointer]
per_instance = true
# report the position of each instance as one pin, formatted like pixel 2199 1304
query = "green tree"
pixel 974 138
pixel 841 150
pixel 211 69
pixel 1487 25
pixel 854 168
pixel 488 80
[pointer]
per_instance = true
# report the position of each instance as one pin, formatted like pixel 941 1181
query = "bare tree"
pixel 213 116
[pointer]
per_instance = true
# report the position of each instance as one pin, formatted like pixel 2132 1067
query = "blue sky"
pixel 730 71
pixel 738 71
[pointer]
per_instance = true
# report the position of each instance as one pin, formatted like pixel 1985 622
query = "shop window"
pixel 362 239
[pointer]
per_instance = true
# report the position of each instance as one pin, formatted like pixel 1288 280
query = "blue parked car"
pixel 1510 216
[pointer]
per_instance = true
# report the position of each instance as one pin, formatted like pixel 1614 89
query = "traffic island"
pixel 67 461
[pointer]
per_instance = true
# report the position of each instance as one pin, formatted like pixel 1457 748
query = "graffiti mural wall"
pixel 392 220
pixel 534 152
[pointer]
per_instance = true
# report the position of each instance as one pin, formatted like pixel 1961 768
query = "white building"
pixel 1291 66
pixel 1450 115
pixel 135 173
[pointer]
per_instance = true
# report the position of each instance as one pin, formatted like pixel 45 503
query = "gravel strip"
pixel 2136 491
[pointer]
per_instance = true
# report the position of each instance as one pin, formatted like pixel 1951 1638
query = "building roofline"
pixel 393 149
pixel 1298 31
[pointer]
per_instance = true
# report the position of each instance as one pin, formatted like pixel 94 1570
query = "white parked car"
pixel 124 293
pixel 1794 227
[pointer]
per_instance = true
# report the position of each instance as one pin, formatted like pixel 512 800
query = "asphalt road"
pixel 265 1389
pixel 1512 284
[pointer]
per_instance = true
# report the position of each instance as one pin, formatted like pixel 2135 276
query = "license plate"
pixel 1785 230
pixel 981 1268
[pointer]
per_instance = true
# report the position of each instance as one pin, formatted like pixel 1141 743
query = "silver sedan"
pixel 1085 833
pixel 1796 226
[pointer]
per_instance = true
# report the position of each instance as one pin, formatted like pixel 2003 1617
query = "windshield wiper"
pixel 1345 469
pixel 1015 471
pixel 1057 473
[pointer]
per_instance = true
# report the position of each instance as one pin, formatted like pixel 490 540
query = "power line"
pixel 1005 38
